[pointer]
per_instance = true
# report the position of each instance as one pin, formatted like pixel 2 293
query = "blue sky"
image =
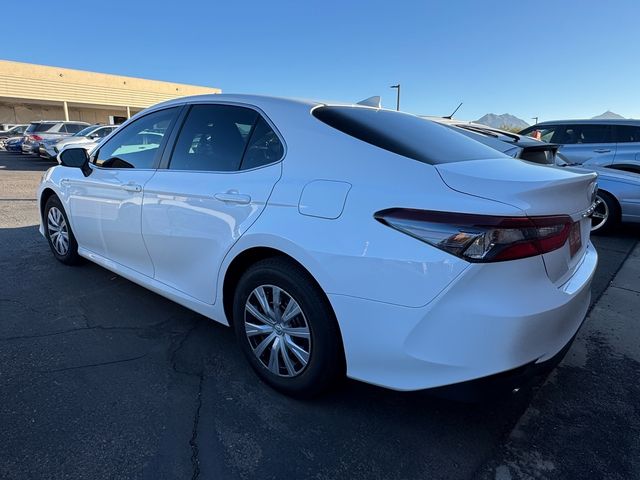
pixel 553 59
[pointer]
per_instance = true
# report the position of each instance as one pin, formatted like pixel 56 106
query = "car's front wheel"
pixel 287 329
pixel 58 232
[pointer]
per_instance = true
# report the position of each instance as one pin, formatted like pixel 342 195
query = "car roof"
pixel 256 100
pixel 61 121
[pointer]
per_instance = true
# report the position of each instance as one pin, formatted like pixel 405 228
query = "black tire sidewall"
pixel 71 257
pixel 325 360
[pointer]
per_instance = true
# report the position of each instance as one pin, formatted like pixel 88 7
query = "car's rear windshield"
pixel 404 134
pixel 39 127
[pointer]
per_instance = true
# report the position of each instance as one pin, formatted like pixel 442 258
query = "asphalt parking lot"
pixel 100 378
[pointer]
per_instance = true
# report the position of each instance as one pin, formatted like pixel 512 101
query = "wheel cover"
pixel 600 214
pixel 58 231
pixel 277 331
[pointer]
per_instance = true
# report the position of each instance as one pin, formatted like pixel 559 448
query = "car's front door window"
pixel 138 144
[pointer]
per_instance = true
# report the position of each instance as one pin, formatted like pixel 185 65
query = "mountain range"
pixel 501 121
pixel 511 122
pixel 607 116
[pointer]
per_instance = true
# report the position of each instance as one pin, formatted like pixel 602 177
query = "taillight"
pixel 36 138
pixel 481 238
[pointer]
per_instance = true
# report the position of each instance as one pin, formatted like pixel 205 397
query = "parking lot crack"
pixel 175 351
pixel 91 365
pixel 195 460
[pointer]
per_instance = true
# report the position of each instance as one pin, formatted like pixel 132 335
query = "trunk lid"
pixel 536 190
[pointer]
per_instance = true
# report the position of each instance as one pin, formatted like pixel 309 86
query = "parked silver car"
pixel 14 131
pixel 48 129
pixel 89 136
pixel 618 196
pixel 600 142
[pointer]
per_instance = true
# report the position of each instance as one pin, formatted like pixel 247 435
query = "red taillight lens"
pixel 481 238
pixel 36 138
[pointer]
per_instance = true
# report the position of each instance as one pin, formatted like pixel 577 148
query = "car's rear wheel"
pixel 287 329
pixel 606 213
pixel 58 232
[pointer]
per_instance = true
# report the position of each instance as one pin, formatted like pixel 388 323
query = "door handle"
pixel 602 150
pixel 233 197
pixel 131 187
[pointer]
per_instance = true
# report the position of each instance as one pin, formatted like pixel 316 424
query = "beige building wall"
pixel 36 92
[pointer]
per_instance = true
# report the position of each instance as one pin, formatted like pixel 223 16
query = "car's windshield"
pixel 404 134
pixel 85 131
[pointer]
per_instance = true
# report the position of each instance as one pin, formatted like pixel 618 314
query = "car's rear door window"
pixel 404 134
pixel 213 138
pixel 264 146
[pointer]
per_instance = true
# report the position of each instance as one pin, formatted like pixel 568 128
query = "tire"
pixel 325 359
pixel 606 205
pixel 56 224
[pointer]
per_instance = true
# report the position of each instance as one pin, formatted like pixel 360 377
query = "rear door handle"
pixel 132 187
pixel 233 197
pixel 602 150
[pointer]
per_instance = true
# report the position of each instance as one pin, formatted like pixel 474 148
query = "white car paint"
pixel 411 316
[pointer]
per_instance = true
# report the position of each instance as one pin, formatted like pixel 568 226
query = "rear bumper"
pixel 494 318
pixel 502 383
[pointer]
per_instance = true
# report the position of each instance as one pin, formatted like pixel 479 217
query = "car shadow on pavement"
pixel 20 162
pixel 86 354
pixel 123 382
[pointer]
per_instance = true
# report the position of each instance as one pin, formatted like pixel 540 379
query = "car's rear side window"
pixel 404 134
pixel 626 133
pixel 74 127
pixel 42 127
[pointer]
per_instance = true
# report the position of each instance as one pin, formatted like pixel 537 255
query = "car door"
pixel 106 206
pixel 627 139
pixel 580 142
pixel 222 169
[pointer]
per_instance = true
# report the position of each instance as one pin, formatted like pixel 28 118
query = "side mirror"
pixel 76 158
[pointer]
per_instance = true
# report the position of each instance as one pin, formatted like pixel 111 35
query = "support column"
pixel 66 110
pixel 128 112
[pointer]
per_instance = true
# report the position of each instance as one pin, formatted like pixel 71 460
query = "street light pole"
pixel 398 96
pixel 536 120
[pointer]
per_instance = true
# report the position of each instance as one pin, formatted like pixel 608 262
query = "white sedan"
pixel 335 239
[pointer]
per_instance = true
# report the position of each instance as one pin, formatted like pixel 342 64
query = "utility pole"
pixel 536 120
pixel 398 96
